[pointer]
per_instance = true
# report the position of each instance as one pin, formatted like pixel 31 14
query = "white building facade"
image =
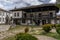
pixel 35 15
pixel 3 15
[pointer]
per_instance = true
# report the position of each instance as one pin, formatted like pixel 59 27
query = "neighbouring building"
pixel 58 19
pixel 3 15
pixel 35 15
pixel 58 1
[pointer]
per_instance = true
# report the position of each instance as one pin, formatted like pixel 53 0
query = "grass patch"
pixel 50 34
pixel 9 38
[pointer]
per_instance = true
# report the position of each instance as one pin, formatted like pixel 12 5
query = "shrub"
pixel 58 28
pixel 47 27
pixel 53 25
pixel 57 25
pixel 24 36
pixel 26 29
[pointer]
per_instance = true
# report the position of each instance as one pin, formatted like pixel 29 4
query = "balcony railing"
pixel 45 16
pixel 37 17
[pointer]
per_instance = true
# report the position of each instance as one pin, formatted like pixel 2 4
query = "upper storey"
pixel 43 7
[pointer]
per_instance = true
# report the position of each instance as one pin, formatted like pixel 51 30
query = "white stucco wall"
pixel 20 14
pixel 3 15
pixel 58 21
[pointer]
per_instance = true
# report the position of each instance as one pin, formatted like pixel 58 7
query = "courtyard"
pixel 8 33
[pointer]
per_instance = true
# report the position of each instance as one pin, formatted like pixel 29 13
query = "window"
pixel 0 19
pixel 0 13
pixel 25 15
pixel 51 14
pixel 31 15
pixel 39 15
pixel 3 19
pixel 18 14
pixel 15 14
pixel 3 14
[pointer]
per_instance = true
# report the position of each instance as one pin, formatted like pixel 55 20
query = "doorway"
pixel 16 21
pixel 43 22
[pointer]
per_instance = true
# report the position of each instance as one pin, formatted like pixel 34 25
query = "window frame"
pixel 3 13
pixel 39 15
pixel 3 20
pixel 14 14
pixel 18 14
pixel 0 19
pixel 51 14
pixel 24 15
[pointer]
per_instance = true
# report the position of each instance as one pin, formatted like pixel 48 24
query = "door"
pixel 37 22
pixel 43 22
pixel 16 21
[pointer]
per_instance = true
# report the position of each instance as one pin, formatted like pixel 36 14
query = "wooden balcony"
pixel 37 17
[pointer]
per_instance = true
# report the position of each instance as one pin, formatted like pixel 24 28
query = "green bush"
pixel 58 28
pixel 53 25
pixel 47 27
pixel 57 25
pixel 24 36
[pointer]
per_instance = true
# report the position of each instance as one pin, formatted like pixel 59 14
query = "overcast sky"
pixel 10 4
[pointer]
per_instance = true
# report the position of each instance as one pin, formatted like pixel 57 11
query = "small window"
pixel 18 14
pixel 0 13
pixel 15 14
pixel 51 14
pixel 3 14
pixel 3 19
pixel 25 15
pixel 31 15
pixel 0 19
pixel 39 15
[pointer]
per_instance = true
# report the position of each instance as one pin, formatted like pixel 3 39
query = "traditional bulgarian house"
pixel 35 15
pixel 3 15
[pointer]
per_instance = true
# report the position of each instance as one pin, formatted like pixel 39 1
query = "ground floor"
pixel 34 22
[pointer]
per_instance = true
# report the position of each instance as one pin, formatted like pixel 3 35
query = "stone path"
pixel 4 27
pixel 9 33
